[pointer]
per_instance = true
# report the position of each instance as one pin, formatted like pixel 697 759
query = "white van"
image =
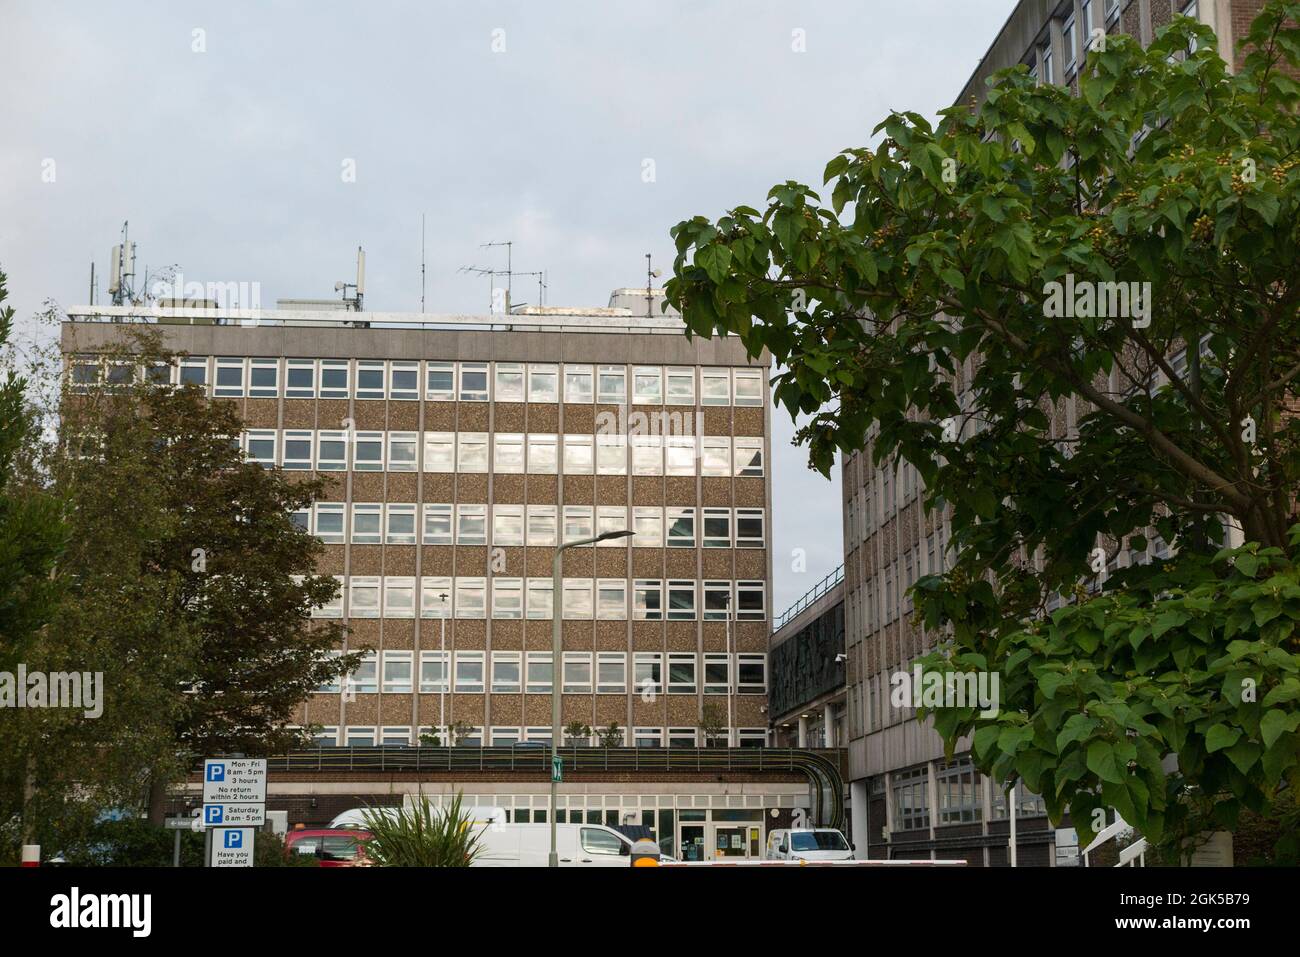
pixel 808 844
pixel 529 845
pixel 356 817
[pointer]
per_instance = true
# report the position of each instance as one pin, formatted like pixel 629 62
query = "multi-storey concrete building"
pixel 906 801
pixel 806 669
pixel 462 449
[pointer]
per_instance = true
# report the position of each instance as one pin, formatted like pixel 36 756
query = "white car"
pixel 808 844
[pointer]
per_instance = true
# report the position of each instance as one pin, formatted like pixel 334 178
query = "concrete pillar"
pixel 858 815
pixel 828 724
pixel 803 732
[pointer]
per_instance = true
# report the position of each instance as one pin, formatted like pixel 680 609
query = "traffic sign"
pixel 234 781
pixel 557 769
pixel 232 847
pixel 219 815
pixel 178 823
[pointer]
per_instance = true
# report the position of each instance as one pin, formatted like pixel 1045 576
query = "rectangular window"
pixel 716 531
pixel 681 673
pixel 439 452
pixel 435 597
pixel 647 737
pixel 370 378
pixel 298 449
pixel 751 602
pixel 440 381
pixel 264 378
pixel 612 385
pixel 359 737
pixel 611 599
pixel 395 736
pixel 260 446
pixel 508 452
pixel 363 597
pixel 578 455
pixel 578 384
pixel 330 685
pixel 300 379
pixel 543 383
pixel 577 599
pixel 538 673
pixel 230 378
pixel 469 671
pixel 681 600
pixel 367 525
pixel 648 525
pixel 471 524
pixel 541 593
pixel 365 680
pixel 541 454
pixel 369 452
pixel 397 673
pixel 680 523
pixel 681 738
pixel 577 672
pixel 334 607
pixel 715 387
pixel 334 378
pixel 749 457
pixel 716 677
pixel 437 524
pixel 749 386
pixel 611 518
pixel 404 380
pixel 715 455
pixel 647 385
pixel 749 528
pixel 194 371
pixel 507 525
pixel 508 598
pixel 433 672
pixel 541 525
pixel 648 672
pixel 1069 44
pixel 507 672
pixel 403 448
pixel 717 600
pixel 611 672
pixel 509 382
pixel 611 454
pixel 681 386
pixel 332 451
pixel 751 674
pixel 473 382
pixel 577 522
pixel 471 598
pixel 472 452
pixel 329 522
pixel 399 524
pixel 647 599
pixel 679 455
pixel 647 454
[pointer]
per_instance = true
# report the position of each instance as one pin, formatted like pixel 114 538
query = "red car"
pixel 332 846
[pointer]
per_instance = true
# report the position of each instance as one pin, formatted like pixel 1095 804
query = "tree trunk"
pixel 157 800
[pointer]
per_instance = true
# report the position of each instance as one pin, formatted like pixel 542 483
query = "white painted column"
pixel 803 732
pixel 828 726
pixel 858 814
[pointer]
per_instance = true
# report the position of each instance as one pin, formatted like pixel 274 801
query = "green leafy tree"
pixel 713 724
pixel 921 314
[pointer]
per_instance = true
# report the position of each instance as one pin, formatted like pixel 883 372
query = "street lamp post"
pixel 557 671
pixel 442 666
pixel 730 679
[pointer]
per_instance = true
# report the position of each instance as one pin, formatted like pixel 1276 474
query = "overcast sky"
pixel 581 131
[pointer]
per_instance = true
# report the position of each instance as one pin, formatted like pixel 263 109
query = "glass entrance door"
pixel 692 844
pixel 730 841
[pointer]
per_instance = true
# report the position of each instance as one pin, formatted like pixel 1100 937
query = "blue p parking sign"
pixel 213 813
pixel 234 839
pixel 216 772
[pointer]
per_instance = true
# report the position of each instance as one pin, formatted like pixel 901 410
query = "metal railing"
pixel 810 596
pixel 822 772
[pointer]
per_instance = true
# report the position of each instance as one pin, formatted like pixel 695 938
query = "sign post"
pixel 234 803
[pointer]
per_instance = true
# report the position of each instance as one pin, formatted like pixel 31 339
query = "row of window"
pixel 411 380
pixel 332 736
pixel 604 599
pixel 395 523
pixel 1076 35
pixel 960 792
pixel 504 452
pixel 584 672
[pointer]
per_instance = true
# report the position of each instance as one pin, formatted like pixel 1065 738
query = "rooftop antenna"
pixel 509 244
pixel 650 276
pixel 122 269
pixel 422 262
pixel 358 288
